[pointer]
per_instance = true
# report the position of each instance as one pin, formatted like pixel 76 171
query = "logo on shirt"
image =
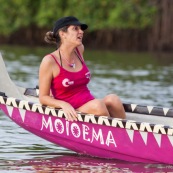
pixel 66 82
pixel 88 75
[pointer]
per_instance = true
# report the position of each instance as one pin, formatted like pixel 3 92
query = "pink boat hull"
pixel 98 140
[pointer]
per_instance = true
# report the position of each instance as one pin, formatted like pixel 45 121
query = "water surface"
pixel 141 78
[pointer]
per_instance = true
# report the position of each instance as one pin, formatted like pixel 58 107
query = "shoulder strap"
pixel 80 56
pixel 54 59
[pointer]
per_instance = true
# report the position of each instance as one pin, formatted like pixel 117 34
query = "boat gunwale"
pixel 129 107
pixel 88 118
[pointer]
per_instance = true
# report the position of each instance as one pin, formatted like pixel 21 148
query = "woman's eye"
pixel 76 28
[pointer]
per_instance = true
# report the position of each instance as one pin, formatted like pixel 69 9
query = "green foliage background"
pixel 98 14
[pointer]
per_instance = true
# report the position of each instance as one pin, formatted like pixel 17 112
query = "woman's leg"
pixel 114 106
pixel 96 107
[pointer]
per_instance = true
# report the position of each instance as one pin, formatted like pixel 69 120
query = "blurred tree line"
pixel 113 24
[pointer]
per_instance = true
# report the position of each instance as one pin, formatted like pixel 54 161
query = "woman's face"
pixel 74 35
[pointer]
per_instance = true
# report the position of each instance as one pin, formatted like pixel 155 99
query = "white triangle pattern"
pixel 171 139
pixel 22 114
pixel 133 106
pixel 158 138
pixel 165 110
pixel 144 136
pixel 10 110
pixel 131 134
pixel 150 108
pixel 37 91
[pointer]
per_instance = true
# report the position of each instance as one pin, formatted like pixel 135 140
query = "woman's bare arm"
pixel 45 78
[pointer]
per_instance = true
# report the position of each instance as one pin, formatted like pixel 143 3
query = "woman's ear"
pixel 62 34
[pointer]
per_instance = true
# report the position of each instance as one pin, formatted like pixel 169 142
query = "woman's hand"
pixel 69 111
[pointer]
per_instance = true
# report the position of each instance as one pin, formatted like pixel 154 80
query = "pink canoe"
pixel 146 135
pixel 96 136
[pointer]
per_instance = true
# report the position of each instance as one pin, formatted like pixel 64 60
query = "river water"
pixel 141 78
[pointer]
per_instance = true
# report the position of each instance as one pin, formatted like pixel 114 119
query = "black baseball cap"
pixel 66 21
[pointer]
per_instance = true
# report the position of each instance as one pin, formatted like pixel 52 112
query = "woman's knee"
pixel 112 99
pixel 114 106
pixel 100 108
pixel 96 107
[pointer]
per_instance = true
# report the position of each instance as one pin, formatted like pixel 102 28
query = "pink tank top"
pixel 72 86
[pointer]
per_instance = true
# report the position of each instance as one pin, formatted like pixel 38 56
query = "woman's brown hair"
pixel 52 38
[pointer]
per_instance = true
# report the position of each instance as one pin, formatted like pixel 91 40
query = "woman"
pixel 65 74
